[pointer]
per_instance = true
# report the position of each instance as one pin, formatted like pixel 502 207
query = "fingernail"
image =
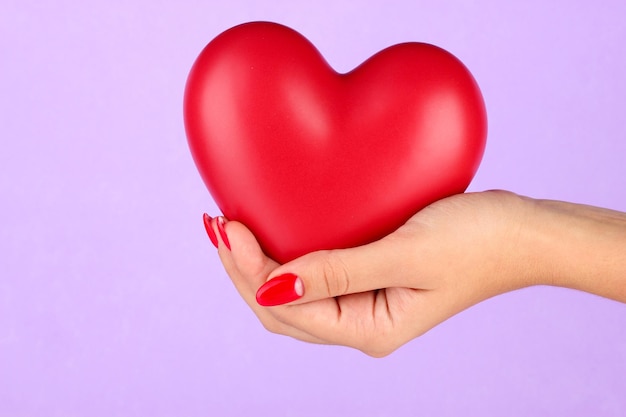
pixel 280 290
pixel 209 228
pixel 220 227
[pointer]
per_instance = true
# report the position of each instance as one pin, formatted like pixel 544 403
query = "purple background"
pixel 114 303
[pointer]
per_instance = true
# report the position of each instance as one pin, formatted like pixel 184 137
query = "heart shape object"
pixel 311 159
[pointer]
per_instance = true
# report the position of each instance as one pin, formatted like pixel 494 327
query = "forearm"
pixel 579 247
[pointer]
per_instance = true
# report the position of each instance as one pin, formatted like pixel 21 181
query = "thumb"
pixel 333 273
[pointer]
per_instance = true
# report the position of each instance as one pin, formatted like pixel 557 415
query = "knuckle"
pixel 335 275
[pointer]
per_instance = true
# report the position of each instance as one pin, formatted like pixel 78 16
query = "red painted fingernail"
pixel 220 227
pixel 280 290
pixel 209 228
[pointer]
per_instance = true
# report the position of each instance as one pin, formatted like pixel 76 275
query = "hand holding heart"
pixel 449 256
pixel 324 172
pixel 377 297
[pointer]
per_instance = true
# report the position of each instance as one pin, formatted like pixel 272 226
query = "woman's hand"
pixel 446 258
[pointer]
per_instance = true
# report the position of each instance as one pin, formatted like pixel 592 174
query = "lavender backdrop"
pixel 114 303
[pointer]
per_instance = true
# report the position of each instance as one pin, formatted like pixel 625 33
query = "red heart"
pixel 311 159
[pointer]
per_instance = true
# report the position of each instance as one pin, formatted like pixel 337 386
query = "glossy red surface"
pixel 312 159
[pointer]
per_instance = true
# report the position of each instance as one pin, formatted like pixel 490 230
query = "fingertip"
pixel 300 277
pixel 221 228
pixel 208 226
pixel 245 250
pixel 280 290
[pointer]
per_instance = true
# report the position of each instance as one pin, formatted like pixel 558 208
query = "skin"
pixel 449 256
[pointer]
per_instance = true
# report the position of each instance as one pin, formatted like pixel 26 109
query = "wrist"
pixel 576 246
